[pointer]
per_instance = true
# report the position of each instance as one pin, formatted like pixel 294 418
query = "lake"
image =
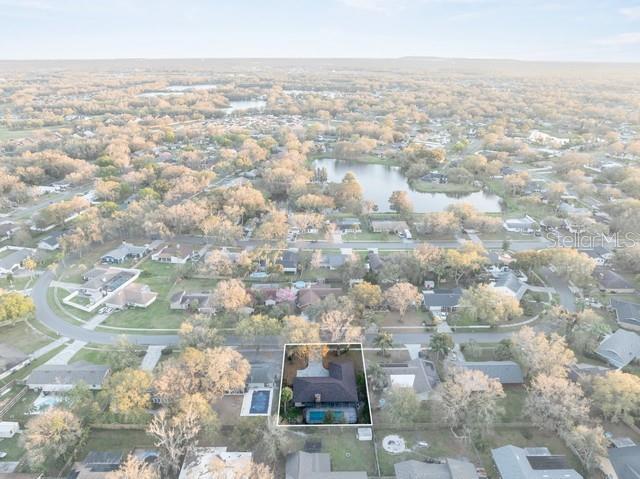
pixel 379 181
pixel 241 105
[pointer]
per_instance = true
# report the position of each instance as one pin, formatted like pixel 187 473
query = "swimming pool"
pixel 339 416
pixel 260 402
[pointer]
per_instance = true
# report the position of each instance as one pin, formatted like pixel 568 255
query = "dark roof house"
pixel 338 386
pixel 531 463
pixel 507 372
pixel 316 465
pixel 54 377
pixel 612 282
pixel 441 299
pixel 449 469
pixel 625 461
pixel 627 313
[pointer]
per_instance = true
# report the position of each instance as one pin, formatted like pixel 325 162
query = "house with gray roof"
pixel 441 300
pixel 63 377
pixel 510 284
pixel 625 462
pixel 289 261
pixel 520 225
pixel 124 252
pixel 611 282
pixel 417 374
pixel 507 372
pixel 12 257
pixel 627 314
pixel 448 469
pixel 316 465
pixel 7 228
pixel 620 348
pixel 531 463
pixel 51 242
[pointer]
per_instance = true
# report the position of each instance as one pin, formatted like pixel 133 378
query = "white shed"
pixel 8 429
pixel 364 434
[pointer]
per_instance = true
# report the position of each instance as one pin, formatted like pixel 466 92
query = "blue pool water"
pixel 316 417
pixel 260 402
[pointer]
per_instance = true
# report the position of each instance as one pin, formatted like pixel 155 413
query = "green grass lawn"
pixel 428 187
pixel 115 440
pixel 440 440
pixel 18 283
pixel 22 337
pixel 513 403
pixel 65 311
pixel 12 447
pixel 347 452
pixel 369 236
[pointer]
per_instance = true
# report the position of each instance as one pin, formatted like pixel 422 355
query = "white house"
pixel 8 429
pixel 520 225
pixel 12 257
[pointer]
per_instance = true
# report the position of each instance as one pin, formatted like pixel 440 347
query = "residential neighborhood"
pixel 310 269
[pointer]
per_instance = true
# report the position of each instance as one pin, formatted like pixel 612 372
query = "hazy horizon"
pixel 525 30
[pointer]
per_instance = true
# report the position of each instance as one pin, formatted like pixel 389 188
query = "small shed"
pixel 364 434
pixel 8 429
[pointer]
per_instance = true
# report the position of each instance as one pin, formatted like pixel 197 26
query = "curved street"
pixel 48 317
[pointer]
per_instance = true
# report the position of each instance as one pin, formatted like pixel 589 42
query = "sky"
pixel 555 30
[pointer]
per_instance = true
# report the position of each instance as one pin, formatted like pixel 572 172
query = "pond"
pixel 241 105
pixel 379 181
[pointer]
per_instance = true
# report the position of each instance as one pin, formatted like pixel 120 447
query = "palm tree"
pixel 383 341
pixel 441 343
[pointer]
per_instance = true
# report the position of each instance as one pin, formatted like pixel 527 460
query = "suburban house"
pixel 12 257
pixel 333 261
pixel 620 348
pixel 388 226
pixel 625 462
pixel 134 295
pixel 441 300
pixel 611 282
pixel 51 242
pixel 8 429
pixel 201 302
pixel 507 372
pixel 315 294
pixel 319 389
pixel 435 177
pixel 97 465
pixel 124 252
pixel 178 253
pixel 316 465
pixel 417 374
pixel 581 371
pixel 349 225
pixel 263 375
pixel 448 469
pixel 520 225
pixel 111 286
pixel 203 462
pixel 531 463
pixel 7 229
pixel 289 261
pixel 599 254
pixel 63 377
pixel 510 284
pixel 627 314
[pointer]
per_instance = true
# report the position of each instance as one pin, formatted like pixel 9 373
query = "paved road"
pixel 460 338
pixel 567 299
pixel 48 317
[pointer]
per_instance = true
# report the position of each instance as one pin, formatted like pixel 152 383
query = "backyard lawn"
pixel 347 452
pixel 22 337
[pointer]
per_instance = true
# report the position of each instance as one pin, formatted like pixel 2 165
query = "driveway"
pixel 567 299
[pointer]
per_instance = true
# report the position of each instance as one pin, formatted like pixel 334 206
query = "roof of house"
pixel 389 225
pixel 262 373
pixel 626 461
pixel 334 260
pixel 507 372
pixel 349 222
pixel 511 282
pixel 520 222
pixel 611 280
pixel 626 312
pixel 309 296
pixel 415 373
pixel 451 469
pixel 442 298
pixel 133 293
pixel 16 257
pixel 53 239
pixel 538 463
pixel 68 374
pixel 338 386
pixel 620 348
pixel 316 465
pixel 125 250
pixel 7 227
pixel 375 263
pixel 201 461
pixel 289 259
